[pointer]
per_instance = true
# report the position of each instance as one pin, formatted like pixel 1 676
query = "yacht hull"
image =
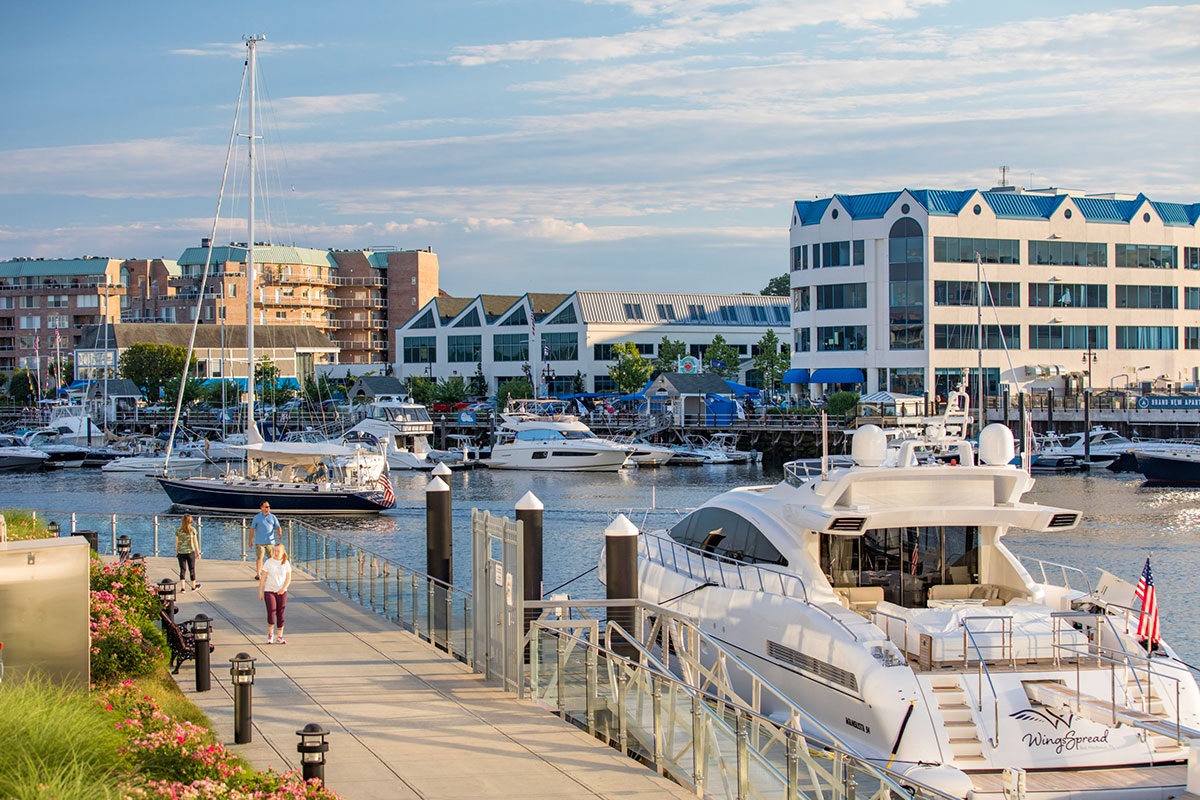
pixel 1166 469
pixel 20 463
pixel 213 494
pixel 556 460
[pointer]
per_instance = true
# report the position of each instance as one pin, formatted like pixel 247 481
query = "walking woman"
pixel 273 584
pixel 186 548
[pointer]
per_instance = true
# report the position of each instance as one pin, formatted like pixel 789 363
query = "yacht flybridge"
pixel 881 598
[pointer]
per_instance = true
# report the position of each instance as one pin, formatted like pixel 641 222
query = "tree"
pixel 841 403
pixel 221 393
pixel 512 388
pixel 780 286
pixel 266 382
pixel 479 384
pixel 20 387
pixel 421 389
pixel 722 359
pixel 450 391
pixel 770 362
pixel 630 369
pixel 577 384
pixel 669 353
pixel 151 366
pixel 193 390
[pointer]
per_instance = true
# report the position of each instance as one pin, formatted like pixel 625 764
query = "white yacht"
pixel 880 596
pixel 62 453
pixel 406 427
pixel 16 456
pixel 552 441
pixel 76 426
pixel 229 448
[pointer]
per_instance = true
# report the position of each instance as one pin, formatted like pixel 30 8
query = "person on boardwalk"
pixel 273 581
pixel 266 527
pixel 186 549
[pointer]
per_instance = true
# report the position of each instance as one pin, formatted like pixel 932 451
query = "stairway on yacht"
pixel 958 717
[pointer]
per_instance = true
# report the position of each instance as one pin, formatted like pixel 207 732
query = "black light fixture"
pixel 166 593
pixel 241 674
pixel 312 749
pixel 54 528
pixel 202 632
pixel 124 547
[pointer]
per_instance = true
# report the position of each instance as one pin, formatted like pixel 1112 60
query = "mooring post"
pixel 439 552
pixel 530 512
pixel 621 577
pixel 1049 410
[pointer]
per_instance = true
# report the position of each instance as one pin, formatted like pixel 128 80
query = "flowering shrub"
pixel 22 526
pixel 123 642
pixel 174 790
pixel 262 786
pixel 178 750
pixel 127 582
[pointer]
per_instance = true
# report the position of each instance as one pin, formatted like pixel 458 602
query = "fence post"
pixel 113 527
pixel 620 548
pixel 72 523
pixel 200 535
pixel 743 755
pixel 156 535
pixel 698 751
pixel 243 538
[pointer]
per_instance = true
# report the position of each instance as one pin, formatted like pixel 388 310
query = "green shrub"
pixel 22 526
pixel 841 403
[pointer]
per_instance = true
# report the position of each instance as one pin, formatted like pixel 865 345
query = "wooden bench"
pixel 180 639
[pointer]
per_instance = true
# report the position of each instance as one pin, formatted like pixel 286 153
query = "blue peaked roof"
pixel 1005 205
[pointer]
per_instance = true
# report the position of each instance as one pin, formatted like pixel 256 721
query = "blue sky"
pixel 567 144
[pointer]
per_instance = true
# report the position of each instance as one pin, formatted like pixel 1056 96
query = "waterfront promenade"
pixel 406 720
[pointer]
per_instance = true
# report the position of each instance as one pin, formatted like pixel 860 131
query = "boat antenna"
pixel 204 282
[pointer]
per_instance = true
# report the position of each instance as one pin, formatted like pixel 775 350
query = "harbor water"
pixel 1123 521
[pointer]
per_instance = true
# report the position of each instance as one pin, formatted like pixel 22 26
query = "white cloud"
pixel 237 49
pixel 301 106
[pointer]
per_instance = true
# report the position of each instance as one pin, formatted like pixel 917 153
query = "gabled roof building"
pixel 884 290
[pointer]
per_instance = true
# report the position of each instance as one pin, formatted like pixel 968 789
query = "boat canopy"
pixel 296 452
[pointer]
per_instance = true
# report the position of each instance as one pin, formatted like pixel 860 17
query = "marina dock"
pixel 406 720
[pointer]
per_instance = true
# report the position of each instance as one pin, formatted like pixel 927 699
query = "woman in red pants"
pixel 273 584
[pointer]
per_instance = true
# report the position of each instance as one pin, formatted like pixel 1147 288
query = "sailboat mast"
pixel 251 428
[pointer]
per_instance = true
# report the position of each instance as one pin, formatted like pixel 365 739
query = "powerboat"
pixel 76 426
pixel 727 443
pixel 462 455
pixel 1178 466
pixel 695 450
pixel 880 597
pixel 644 453
pixel 553 442
pixel 1049 457
pixel 16 456
pixel 226 449
pixel 406 427
pixel 62 453
pixel 155 464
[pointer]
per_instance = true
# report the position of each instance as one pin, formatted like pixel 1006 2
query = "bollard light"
pixel 166 591
pixel 53 528
pixel 241 673
pixel 202 632
pixel 124 547
pixel 202 627
pixel 312 749
pixel 137 560
pixel 241 669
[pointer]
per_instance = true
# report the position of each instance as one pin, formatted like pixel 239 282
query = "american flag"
pixel 389 497
pixel 1148 630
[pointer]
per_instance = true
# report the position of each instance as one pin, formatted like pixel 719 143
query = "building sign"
pixel 689 365
pixel 1168 403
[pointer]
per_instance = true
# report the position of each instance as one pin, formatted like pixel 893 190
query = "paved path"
pixel 407 721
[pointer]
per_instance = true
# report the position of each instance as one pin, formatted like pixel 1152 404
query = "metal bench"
pixel 180 639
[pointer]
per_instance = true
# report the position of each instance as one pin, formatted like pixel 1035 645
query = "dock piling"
pixel 621 576
pixel 439 554
pixel 530 513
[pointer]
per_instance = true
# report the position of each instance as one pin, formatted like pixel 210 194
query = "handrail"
pixel 1042 564
pixel 888 627
pixel 983 671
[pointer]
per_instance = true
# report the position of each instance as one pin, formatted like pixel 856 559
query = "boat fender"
pixel 942 777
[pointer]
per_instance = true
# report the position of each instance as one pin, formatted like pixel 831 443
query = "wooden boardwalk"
pixel 406 721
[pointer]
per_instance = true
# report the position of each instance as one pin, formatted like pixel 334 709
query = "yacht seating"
pixel 989 593
pixel 859 598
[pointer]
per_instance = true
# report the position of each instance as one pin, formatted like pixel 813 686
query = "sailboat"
pixel 294 477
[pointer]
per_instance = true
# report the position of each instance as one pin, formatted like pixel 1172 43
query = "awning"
pixel 241 382
pixel 837 375
pixel 795 376
pixel 739 390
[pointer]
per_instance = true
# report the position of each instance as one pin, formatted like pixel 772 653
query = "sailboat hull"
pixel 213 494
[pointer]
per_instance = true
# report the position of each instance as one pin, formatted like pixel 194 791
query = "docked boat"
pixel 552 441
pixel 881 598
pixel 226 449
pixel 1178 466
pixel 155 465
pixel 16 456
pixel 696 450
pixel 727 444
pixel 62 453
pixel 76 426
pixel 406 427
pixel 1051 458
pixel 645 453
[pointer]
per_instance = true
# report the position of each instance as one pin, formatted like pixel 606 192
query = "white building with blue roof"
pixel 884 290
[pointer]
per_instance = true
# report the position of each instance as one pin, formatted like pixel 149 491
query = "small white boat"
pixel 646 454
pixel 156 465
pixel 62 453
pixel 231 448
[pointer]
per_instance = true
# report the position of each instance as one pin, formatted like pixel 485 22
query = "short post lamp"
pixel 124 547
pixel 137 559
pixel 312 749
pixel 241 673
pixel 166 593
pixel 202 631
pixel 54 528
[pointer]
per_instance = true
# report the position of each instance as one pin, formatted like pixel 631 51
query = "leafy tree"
pixel 450 391
pixel 479 384
pixel 841 403
pixel 780 286
pixel 421 389
pixel 720 352
pixel 577 384
pixel 232 393
pixel 152 366
pixel 317 391
pixel 630 368
pixel 513 388
pixel 266 381
pixel 193 391
pixel 770 362
pixel 20 387
pixel 669 353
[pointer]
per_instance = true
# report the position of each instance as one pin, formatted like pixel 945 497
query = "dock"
pixel 406 720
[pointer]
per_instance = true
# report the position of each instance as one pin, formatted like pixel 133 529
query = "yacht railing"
pixel 887 626
pixel 983 672
pixel 1065 569
pixel 728 573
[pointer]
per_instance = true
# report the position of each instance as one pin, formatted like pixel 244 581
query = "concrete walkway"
pixel 406 721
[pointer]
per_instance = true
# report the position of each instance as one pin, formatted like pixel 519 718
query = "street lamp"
pixel 547 376
pixel 312 749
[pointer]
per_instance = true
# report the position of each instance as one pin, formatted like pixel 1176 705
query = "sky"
pixel 554 145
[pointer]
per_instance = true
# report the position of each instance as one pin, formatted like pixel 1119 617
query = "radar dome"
pixel 996 445
pixel 869 447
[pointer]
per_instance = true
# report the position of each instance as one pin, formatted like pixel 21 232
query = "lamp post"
pixel 1089 358
pixel 54 528
pixel 124 547
pixel 202 631
pixel 547 376
pixel 241 674
pixel 312 749
pixel 166 593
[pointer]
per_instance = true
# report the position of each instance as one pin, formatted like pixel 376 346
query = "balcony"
pixel 348 302
pixel 376 280
pixel 357 324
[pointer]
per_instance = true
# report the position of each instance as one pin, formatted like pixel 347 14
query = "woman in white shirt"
pixel 273 584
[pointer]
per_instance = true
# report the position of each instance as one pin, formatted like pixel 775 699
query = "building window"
pixel 1145 256
pixel 906 286
pixel 955 250
pixel 841 254
pixel 29 323
pixel 1068 295
pixel 602 352
pixel 962 293
pixel 781 313
pixel 510 347
pixel 800 298
pixel 645 349
pixel 728 314
pixel 56 301
pixel 697 350
pixel 1145 297
pixel 758 313
pixel 29 302
pixel 697 313
pixel 471 320
pixel 602 384
pixel 564 317
pixel 842 338
pixel 1069 254
pixel 425 321
pixel 841 295
pixel 516 318
pixel 1068 337
pixel 666 311
pixel 799 258
pixel 800 338
pixel 87 301
pixel 420 349
pixel 1191 338
pixel 634 311
pixel 907 380
pixel 560 346
pixel 58 321
pixel 963 337
pixel 464 349
pixel 1191 298
pixel 1147 337
pixel 1191 258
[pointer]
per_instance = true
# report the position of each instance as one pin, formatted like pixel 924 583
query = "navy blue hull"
pixel 206 494
pixel 1163 471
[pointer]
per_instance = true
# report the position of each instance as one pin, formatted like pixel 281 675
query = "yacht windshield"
pixel 578 435
pixel 540 435
pixel 905 562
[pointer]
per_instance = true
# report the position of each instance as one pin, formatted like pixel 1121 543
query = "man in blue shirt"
pixel 265 526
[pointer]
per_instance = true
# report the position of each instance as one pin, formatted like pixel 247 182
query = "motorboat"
pixel 646 453
pixel 323 477
pixel 76 426
pixel 16 456
pixel 62 453
pixel 1164 466
pixel 227 449
pixel 696 450
pixel 156 464
pixel 880 596
pixel 406 427
pixel 1049 457
pixel 553 441
pixel 727 443
pixel 1104 446
pixel 464 454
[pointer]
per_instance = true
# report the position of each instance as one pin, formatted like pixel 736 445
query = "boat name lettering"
pixel 1068 742
pixel 853 723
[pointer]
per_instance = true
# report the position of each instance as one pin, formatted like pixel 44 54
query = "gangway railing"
pixel 983 672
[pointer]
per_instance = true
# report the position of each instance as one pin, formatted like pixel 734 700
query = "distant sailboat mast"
pixel 252 434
